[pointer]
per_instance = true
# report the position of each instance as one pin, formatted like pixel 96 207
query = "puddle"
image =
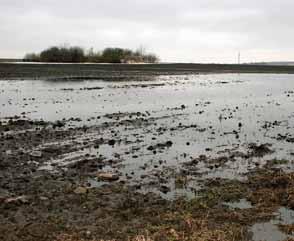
pixel 241 204
pixel 270 231
pixel 95 184
pixel 171 191
pixel 285 216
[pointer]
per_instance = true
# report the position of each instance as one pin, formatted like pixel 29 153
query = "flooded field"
pixel 172 157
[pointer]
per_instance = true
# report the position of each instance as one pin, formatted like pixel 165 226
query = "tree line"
pixel 65 54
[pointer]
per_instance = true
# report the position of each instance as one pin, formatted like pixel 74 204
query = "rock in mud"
pixel 2 199
pixel 52 149
pixel 42 198
pixel 17 200
pixel 160 146
pixel 150 148
pixel 164 189
pixel 58 124
pixel 169 143
pixel 80 190
pixel 107 176
pixel 111 142
pixel 37 154
pixel 260 150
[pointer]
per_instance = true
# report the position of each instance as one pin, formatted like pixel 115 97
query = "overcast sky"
pixel 176 30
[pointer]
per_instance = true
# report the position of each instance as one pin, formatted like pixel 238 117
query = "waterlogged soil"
pixel 181 157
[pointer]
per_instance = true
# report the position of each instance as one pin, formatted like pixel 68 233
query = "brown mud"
pixel 120 72
pixel 40 205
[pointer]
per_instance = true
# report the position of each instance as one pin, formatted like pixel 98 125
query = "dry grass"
pixel 201 230
pixel 271 189
pixel 67 237
pixel 191 222
pixel 289 229
pixel 189 229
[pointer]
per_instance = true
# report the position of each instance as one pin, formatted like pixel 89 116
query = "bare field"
pixel 114 71
pixel 146 152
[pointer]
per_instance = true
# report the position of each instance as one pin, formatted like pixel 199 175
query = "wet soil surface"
pixel 119 72
pixel 181 157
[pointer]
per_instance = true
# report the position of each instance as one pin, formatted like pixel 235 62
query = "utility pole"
pixel 239 58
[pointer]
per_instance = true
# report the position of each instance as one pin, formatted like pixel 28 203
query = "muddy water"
pixel 212 115
pixel 270 231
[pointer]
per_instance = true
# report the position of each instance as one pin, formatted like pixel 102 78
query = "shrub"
pixel 32 57
pixel 77 55
pixel 63 55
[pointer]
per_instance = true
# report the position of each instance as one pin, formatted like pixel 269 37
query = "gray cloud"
pixel 177 30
